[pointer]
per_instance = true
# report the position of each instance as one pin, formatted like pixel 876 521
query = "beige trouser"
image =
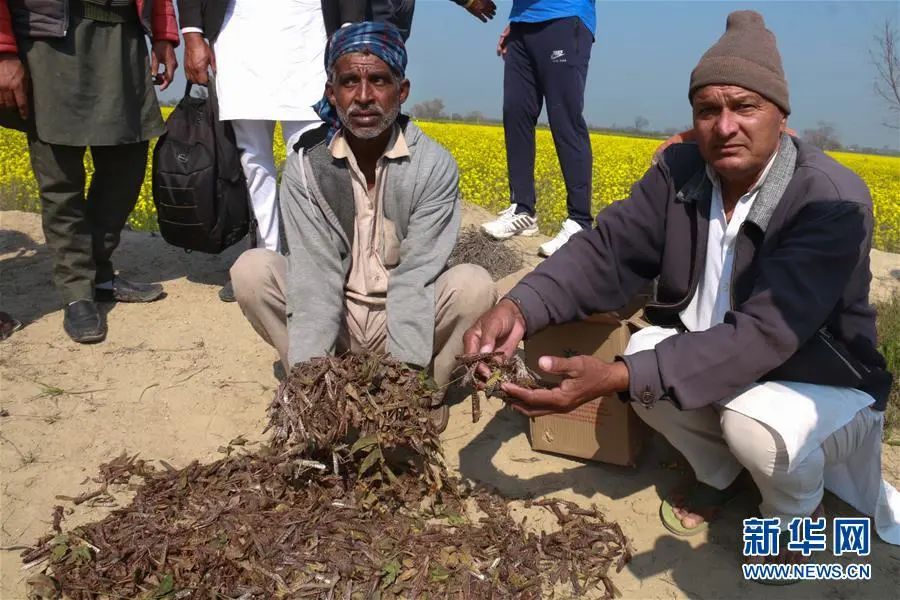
pixel 719 442
pixel 462 294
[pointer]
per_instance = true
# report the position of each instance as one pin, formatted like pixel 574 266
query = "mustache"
pixel 358 108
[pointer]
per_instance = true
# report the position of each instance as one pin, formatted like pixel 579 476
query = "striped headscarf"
pixel 381 39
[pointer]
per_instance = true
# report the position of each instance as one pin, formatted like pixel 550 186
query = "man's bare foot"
pixel 689 511
pixel 691 520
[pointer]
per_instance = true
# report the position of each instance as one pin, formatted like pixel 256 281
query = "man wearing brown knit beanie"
pixel 761 358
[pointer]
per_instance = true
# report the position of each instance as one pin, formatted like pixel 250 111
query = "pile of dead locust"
pixel 350 500
pixel 475 247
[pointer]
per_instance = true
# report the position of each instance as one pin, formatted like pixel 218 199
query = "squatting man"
pixel 761 355
pixel 370 214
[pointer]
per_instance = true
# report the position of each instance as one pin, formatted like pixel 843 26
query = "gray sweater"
pixel 421 197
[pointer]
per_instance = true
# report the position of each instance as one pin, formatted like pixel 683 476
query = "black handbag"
pixel 199 189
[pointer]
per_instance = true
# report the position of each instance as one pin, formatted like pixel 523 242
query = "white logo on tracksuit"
pixel 558 56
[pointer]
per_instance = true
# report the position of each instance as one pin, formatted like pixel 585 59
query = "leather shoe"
pixel 226 294
pixel 129 291
pixel 83 322
pixel 8 325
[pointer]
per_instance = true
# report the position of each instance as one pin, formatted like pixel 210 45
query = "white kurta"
pixel 270 60
pixel 713 297
pixel 803 415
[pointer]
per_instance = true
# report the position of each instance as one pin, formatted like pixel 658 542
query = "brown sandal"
pixel 700 499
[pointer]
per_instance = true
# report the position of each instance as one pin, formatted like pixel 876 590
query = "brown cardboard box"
pixel 604 429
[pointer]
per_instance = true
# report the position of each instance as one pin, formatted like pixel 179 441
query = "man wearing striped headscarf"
pixel 370 214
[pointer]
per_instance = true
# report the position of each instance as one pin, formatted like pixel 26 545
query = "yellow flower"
pixel 479 150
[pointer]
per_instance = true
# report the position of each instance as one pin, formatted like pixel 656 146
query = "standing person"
pixel 79 75
pixel 546 49
pixel 269 63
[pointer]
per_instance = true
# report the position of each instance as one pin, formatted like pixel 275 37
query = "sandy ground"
pixel 180 377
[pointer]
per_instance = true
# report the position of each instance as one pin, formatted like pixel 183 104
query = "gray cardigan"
pixel 421 197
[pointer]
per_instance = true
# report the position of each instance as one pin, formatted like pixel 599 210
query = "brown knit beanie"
pixel 746 56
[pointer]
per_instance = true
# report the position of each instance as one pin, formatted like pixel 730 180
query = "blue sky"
pixel 645 51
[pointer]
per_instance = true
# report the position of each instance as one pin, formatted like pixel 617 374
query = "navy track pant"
pixel 548 60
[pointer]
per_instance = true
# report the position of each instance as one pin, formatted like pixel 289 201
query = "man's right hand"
pixel 483 10
pixel 501 45
pixel 198 58
pixel 13 84
pixel 498 330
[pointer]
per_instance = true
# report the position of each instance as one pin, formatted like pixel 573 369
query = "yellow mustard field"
pixel 479 149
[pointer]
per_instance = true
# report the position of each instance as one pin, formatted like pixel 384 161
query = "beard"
pixel 385 120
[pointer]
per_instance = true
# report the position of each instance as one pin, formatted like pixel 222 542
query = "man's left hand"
pixel 586 378
pixel 483 10
pixel 163 54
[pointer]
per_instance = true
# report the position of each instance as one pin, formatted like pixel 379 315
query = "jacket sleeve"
pixel 424 252
pixel 190 13
pixel 352 11
pixel 337 12
pixel 797 287
pixel 315 275
pixel 602 269
pixel 7 37
pixel 164 25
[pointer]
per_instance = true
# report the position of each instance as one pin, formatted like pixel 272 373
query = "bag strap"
pixel 211 94
pixel 210 86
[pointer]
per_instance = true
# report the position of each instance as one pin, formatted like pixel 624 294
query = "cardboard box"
pixel 604 429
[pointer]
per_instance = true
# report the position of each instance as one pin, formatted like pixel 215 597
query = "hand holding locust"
pixel 584 377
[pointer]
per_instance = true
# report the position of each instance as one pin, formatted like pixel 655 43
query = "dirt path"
pixel 178 378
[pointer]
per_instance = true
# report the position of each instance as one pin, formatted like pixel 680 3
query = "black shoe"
pixel 226 294
pixel 129 291
pixel 278 371
pixel 83 322
pixel 8 325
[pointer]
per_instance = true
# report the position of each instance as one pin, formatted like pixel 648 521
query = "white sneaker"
pixel 508 224
pixel 568 229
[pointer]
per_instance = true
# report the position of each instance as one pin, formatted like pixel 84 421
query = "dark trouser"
pixel 397 12
pixel 82 233
pixel 548 60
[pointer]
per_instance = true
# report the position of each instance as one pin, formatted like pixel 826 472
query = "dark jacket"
pixel 397 12
pixel 800 285
pixel 50 19
pixel 209 15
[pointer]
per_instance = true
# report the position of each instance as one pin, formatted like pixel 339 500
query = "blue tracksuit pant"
pixel 548 60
